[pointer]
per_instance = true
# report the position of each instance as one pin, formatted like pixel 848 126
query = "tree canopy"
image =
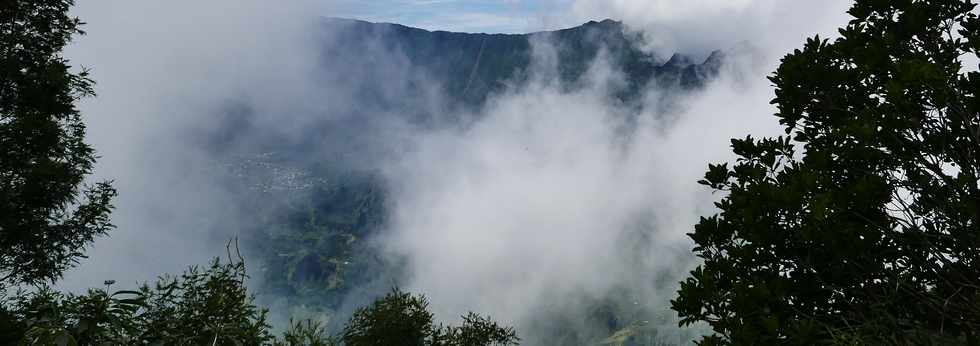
pixel 862 223
pixel 46 216
pixel 211 306
pixel 401 318
pixel 208 306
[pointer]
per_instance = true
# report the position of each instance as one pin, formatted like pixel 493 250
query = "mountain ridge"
pixel 472 66
pixel 603 22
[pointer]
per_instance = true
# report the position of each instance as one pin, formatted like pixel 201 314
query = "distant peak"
pixel 678 60
pixel 603 25
pixel 716 56
pixel 605 22
pixel 341 20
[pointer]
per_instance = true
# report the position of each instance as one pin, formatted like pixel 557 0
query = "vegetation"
pixel 46 216
pixel 862 224
pixel 212 307
pixel 311 245
pixel 201 307
pixel 404 319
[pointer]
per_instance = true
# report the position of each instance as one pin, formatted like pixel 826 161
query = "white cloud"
pixel 699 26
pixel 539 203
pixel 163 70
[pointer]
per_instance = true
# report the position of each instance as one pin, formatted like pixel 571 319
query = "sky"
pixel 490 16
pixel 512 209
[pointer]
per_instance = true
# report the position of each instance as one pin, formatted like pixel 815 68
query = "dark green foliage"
pixel 313 246
pixel 397 319
pixel 306 333
pixel 213 307
pixel 477 330
pixel 46 217
pixel 209 306
pixel 401 318
pixel 862 224
pixel 202 306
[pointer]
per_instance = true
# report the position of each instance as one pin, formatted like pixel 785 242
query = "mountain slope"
pixel 313 202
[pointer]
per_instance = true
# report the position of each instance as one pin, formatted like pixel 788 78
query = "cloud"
pixel 554 198
pixel 699 26
pixel 164 71
pixel 552 201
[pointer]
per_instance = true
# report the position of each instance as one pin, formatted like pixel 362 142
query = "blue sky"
pixel 507 16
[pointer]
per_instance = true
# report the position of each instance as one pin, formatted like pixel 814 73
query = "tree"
pixel 200 307
pixel 213 307
pixel 862 223
pixel 401 318
pixel 46 216
pixel 306 333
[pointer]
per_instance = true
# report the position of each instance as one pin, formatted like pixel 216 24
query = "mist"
pixel 554 200
pixel 548 201
pixel 164 72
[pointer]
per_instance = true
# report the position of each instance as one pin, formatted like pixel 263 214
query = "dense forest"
pixel 861 225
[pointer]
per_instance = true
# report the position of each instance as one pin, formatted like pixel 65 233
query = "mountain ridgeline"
pixel 314 198
pixel 472 67
pixel 380 73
